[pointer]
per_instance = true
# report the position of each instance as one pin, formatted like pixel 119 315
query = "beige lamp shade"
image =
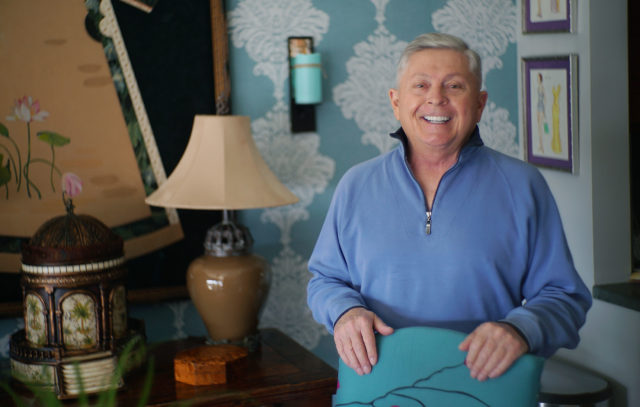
pixel 221 168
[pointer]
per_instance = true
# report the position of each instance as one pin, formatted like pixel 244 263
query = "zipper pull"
pixel 428 226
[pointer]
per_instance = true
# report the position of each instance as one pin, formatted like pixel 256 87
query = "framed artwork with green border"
pixel 83 94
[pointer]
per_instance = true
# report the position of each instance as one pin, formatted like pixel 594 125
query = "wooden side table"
pixel 279 373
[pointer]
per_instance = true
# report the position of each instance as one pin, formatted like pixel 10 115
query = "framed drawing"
pixel 550 112
pixel 540 16
pixel 110 116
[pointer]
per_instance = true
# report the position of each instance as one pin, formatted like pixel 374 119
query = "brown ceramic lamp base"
pixel 228 293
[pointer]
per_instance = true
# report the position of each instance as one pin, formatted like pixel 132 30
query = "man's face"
pixel 438 101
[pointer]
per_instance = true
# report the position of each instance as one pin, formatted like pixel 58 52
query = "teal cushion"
pixel 422 366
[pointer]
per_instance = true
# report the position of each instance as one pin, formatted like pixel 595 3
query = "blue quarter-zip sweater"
pixel 495 251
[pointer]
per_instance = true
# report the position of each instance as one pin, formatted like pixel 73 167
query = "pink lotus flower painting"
pixel 27 110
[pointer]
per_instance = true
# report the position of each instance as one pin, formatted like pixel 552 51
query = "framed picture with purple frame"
pixel 550 111
pixel 540 16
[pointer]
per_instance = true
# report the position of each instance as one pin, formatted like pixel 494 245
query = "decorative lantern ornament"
pixel 74 302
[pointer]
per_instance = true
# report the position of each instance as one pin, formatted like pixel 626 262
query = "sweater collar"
pixel 468 147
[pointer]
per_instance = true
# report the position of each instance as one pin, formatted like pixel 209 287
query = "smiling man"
pixel 444 231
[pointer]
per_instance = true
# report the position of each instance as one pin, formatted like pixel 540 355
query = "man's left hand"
pixel 492 348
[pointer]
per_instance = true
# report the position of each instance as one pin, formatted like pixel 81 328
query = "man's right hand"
pixel 355 339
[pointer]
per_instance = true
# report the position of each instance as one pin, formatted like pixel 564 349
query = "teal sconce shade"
pixel 307 79
pixel 305 83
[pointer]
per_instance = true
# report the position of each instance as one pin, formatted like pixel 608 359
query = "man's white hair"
pixel 441 41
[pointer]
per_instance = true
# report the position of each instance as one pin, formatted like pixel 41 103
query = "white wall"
pixel 594 202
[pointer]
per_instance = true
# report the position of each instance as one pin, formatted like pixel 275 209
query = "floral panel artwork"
pixel 119 311
pixel 61 112
pixel 35 318
pixel 79 322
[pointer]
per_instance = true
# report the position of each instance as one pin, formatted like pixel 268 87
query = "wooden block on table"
pixel 207 365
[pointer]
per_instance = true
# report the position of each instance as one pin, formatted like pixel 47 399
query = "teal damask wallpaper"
pixel 360 42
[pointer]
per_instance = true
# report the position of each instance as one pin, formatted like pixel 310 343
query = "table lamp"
pixel 221 169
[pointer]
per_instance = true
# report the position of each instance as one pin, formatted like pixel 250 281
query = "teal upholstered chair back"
pixel 422 366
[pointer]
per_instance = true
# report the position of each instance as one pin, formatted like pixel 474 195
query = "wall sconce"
pixel 305 83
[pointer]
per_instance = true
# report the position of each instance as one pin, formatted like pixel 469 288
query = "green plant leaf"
pixel 148 382
pixel 133 349
pixel 52 138
pixel 132 355
pixel 3 130
pixel 16 399
pixel 83 399
pixel 45 396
